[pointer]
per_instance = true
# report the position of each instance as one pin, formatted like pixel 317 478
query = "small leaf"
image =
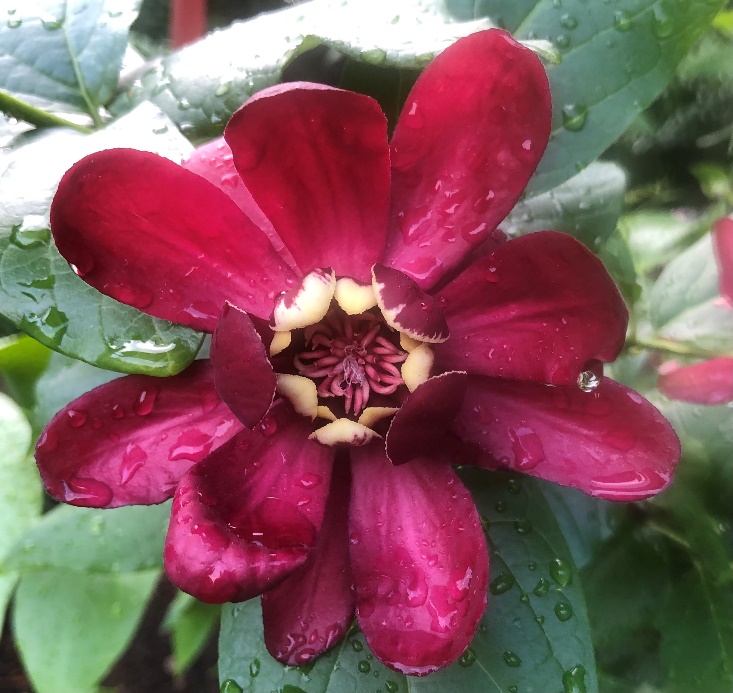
pixel 65 53
pixel 190 624
pixel 41 294
pixel 70 626
pixel 21 497
pixel 22 360
pixel 587 206
pixel 616 256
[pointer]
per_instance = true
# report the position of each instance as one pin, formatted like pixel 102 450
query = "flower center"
pixel 352 357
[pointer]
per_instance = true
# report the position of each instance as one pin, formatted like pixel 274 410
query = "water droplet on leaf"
pixel 563 611
pixel 511 659
pixel 621 21
pixel 574 116
pixel 502 583
pixel 542 587
pixel 573 680
pixel 467 658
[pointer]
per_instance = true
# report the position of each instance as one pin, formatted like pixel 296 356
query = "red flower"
pixel 385 315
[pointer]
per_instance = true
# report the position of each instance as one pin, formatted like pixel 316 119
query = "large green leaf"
pixel 533 637
pixel 22 360
pixel 38 290
pixel 64 53
pixel 70 627
pixel 20 488
pixel 617 57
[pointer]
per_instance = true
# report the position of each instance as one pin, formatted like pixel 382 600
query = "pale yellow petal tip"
pixel 417 366
pixel 344 432
pixel 300 392
pixel 280 342
pixel 371 415
pixel 325 413
pixel 308 304
pixel 407 343
pixel 354 298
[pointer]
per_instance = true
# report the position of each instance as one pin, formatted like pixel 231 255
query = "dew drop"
pixel 268 426
pixel 51 23
pixel 513 689
pixel 86 492
pixel 532 565
pixel 662 22
pixel 357 645
pixel 502 583
pixel 573 680
pixel 563 611
pixel 541 588
pixel 574 116
pixel 563 40
pixel 561 572
pixel 145 402
pixel 514 485
pixel 133 460
pixel 588 381
pixel 467 658
pixel 491 275
pixel 76 418
pixel 500 506
pixel 230 686
pixel 511 659
pixel 568 21
pixel 363 666
pixel 524 598
pixel 621 21
pixel 540 619
pixel 223 89
pixel 117 412
pixel 522 526
pixel 391 687
pixel 192 445
pixel 527 448
pixel 52 324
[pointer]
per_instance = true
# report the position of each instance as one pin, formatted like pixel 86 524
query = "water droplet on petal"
pixel 86 492
pixel 76 418
pixel 192 445
pixel 527 448
pixel 268 426
pixel 145 402
pixel 117 412
pixel 588 381
pixel 309 480
pixel 133 459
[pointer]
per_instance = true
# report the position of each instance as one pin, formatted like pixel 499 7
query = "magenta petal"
pixel 419 428
pixel 418 559
pixel 248 515
pixel 310 611
pixel 242 372
pixel 708 382
pixel 539 308
pixel 472 131
pixel 316 161
pixel 129 442
pixel 610 443
pixel 406 307
pixel 150 234
pixel 723 244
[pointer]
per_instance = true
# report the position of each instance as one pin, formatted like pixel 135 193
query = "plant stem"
pixel 672 347
pixel 16 108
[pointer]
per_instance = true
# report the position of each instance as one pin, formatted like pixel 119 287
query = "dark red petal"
pixel 242 372
pixel 406 307
pixel 418 559
pixel 723 244
pixel 419 428
pixel 610 443
pixel 248 515
pixel 316 161
pixel 472 131
pixel 539 308
pixel 708 382
pixel 150 234
pixel 310 611
pixel 130 441
pixel 214 161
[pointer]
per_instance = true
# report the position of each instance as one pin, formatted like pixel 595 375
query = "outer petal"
pixel 418 559
pixel 610 443
pixel 723 243
pixel 472 131
pixel 130 441
pixel 242 372
pixel 539 308
pixel 310 611
pixel 316 161
pixel 708 382
pixel 248 515
pixel 419 428
pixel 148 233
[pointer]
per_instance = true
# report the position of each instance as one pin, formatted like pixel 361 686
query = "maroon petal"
pixel 310 611
pixel 539 308
pixel 708 382
pixel 248 515
pixel 406 307
pixel 419 428
pixel 723 244
pixel 610 443
pixel 418 559
pixel 472 131
pixel 150 234
pixel 242 372
pixel 130 441
pixel 316 161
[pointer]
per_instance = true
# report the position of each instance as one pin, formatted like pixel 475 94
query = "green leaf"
pixel 65 53
pixel 587 206
pixel 191 624
pixel 21 496
pixel 22 360
pixel 70 627
pixel 697 635
pixel 40 293
pixel 93 541
pixel 616 256
pixel 534 635
pixel 685 303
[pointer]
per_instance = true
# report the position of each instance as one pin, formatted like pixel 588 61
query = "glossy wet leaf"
pixel 587 206
pixel 22 361
pixel 616 59
pixel 41 294
pixel 71 626
pixel 21 496
pixel 617 258
pixel 64 53
pixel 190 624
